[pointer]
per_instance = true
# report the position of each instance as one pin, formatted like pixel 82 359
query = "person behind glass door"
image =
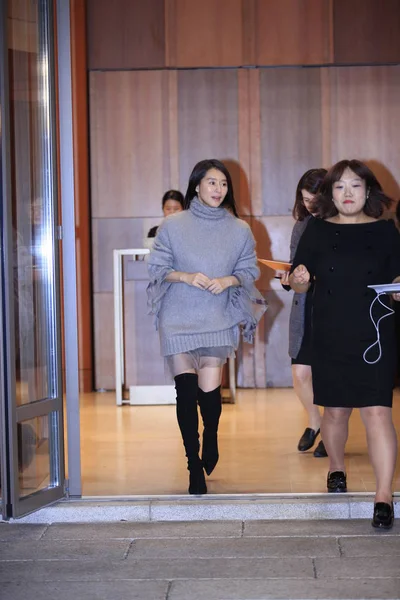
pixel 202 270
pixel 344 252
pixel 300 316
pixel 172 202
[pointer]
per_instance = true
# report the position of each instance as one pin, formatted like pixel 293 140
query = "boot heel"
pixel 197 482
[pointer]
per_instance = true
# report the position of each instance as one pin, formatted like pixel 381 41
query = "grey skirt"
pixel 197 359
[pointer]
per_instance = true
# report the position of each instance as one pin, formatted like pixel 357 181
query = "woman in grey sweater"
pixel 300 315
pixel 202 270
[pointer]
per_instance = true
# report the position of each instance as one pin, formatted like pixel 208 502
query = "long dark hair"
pixel 376 199
pixel 199 172
pixel 173 195
pixel 311 182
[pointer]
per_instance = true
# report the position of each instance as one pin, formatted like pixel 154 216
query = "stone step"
pixel 211 507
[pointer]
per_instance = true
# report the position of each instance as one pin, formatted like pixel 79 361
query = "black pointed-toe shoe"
pixel 383 515
pixel 320 451
pixel 336 482
pixel 307 440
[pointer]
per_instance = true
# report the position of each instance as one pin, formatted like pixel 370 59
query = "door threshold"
pixel 212 507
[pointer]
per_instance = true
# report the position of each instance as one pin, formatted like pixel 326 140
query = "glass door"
pixel 32 384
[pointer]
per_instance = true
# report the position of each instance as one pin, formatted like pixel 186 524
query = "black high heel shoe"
pixel 307 440
pixel 320 451
pixel 383 515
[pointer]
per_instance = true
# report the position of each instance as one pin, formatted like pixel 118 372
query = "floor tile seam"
pixel 129 539
pixel 202 537
pixel 261 557
pixel 89 580
pixel 345 555
pixel 169 587
pixel 38 560
pixel 47 526
pixel 63 538
pixel 106 580
pixel 128 549
pixel 355 578
pixel 323 536
pixel 338 541
pixel 242 556
pixel 377 536
pixel 334 536
pixel 161 559
pixel 147 579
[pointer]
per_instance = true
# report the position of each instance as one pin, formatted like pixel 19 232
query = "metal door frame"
pixel 13 504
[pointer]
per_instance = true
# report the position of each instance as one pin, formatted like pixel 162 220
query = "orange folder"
pixel 277 265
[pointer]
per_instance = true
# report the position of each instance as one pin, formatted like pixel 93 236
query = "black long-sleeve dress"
pixel 343 260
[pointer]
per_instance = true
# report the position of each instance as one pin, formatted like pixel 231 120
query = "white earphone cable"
pixel 376 325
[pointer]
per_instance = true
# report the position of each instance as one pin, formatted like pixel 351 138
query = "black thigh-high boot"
pixel 186 386
pixel 210 407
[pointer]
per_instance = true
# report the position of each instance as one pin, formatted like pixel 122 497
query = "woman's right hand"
pixel 300 275
pixel 196 280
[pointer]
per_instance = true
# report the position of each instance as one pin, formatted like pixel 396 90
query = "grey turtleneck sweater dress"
pixel 216 243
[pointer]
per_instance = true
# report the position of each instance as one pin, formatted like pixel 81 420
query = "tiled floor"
pixel 229 560
pixel 138 450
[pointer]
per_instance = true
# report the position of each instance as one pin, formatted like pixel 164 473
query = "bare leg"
pixel 302 383
pixel 382 448
pixel 335 430
pixel 209 378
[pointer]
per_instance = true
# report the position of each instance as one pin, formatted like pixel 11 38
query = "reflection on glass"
pixel 33 198
pixel 34 455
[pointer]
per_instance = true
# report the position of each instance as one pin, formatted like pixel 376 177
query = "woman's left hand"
pixel 219 284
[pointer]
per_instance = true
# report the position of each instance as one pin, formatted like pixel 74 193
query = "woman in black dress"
pixel 342 253
pixel 300 315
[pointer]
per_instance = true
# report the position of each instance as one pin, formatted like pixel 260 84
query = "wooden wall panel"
pixel 293 32
pixel 82 201
pixel 132 34
pixel 204 34
pixel 130 142
pixel 248 192
pixel 126 34
pixel 104 355
pixel 290 133
pixel 208 120
pixel 365 113
pixel 366 31
pixel 111 234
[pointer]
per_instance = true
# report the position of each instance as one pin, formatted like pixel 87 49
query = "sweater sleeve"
pixel 294 240
pixel 305 252
pixel 160 264
pixel 246 269
pixel 245 298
